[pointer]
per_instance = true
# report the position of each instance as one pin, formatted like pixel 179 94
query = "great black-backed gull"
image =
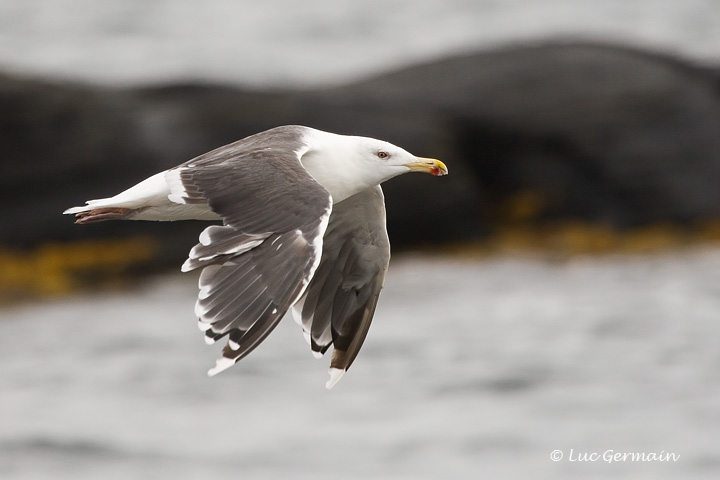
pixel 303 228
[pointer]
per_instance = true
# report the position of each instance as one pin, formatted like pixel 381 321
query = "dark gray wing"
pixel 259 262
pixel 340 301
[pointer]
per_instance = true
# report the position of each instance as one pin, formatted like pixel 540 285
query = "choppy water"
pixel 288 42
pixel 472 369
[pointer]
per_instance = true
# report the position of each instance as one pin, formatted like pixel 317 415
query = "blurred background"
pixel 559 290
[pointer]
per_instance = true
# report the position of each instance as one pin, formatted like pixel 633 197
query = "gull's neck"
pixel 330 159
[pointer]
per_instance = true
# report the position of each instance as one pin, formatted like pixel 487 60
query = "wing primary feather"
pixel 338 305
pixel 270 252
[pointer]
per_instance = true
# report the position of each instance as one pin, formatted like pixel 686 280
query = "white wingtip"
pixel 317 354
pixel 199 309
pixel 335 376
pixel 203 326
pixel 221 365
pixel 209 340
pixel 233 345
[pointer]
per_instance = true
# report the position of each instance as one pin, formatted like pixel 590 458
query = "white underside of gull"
pixel 153 199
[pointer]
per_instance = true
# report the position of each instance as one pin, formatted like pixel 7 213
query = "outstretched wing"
pixel 259 262
pixel 340 301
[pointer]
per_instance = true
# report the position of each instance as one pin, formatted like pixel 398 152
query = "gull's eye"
pixel 382 155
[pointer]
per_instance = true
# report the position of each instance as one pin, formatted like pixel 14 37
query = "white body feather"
pixel 153 199
pixel 343 165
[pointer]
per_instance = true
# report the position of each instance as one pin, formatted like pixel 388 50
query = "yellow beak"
pixel 428 165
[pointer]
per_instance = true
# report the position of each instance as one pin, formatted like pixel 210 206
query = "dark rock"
pixel 598 132
pixel 530 133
